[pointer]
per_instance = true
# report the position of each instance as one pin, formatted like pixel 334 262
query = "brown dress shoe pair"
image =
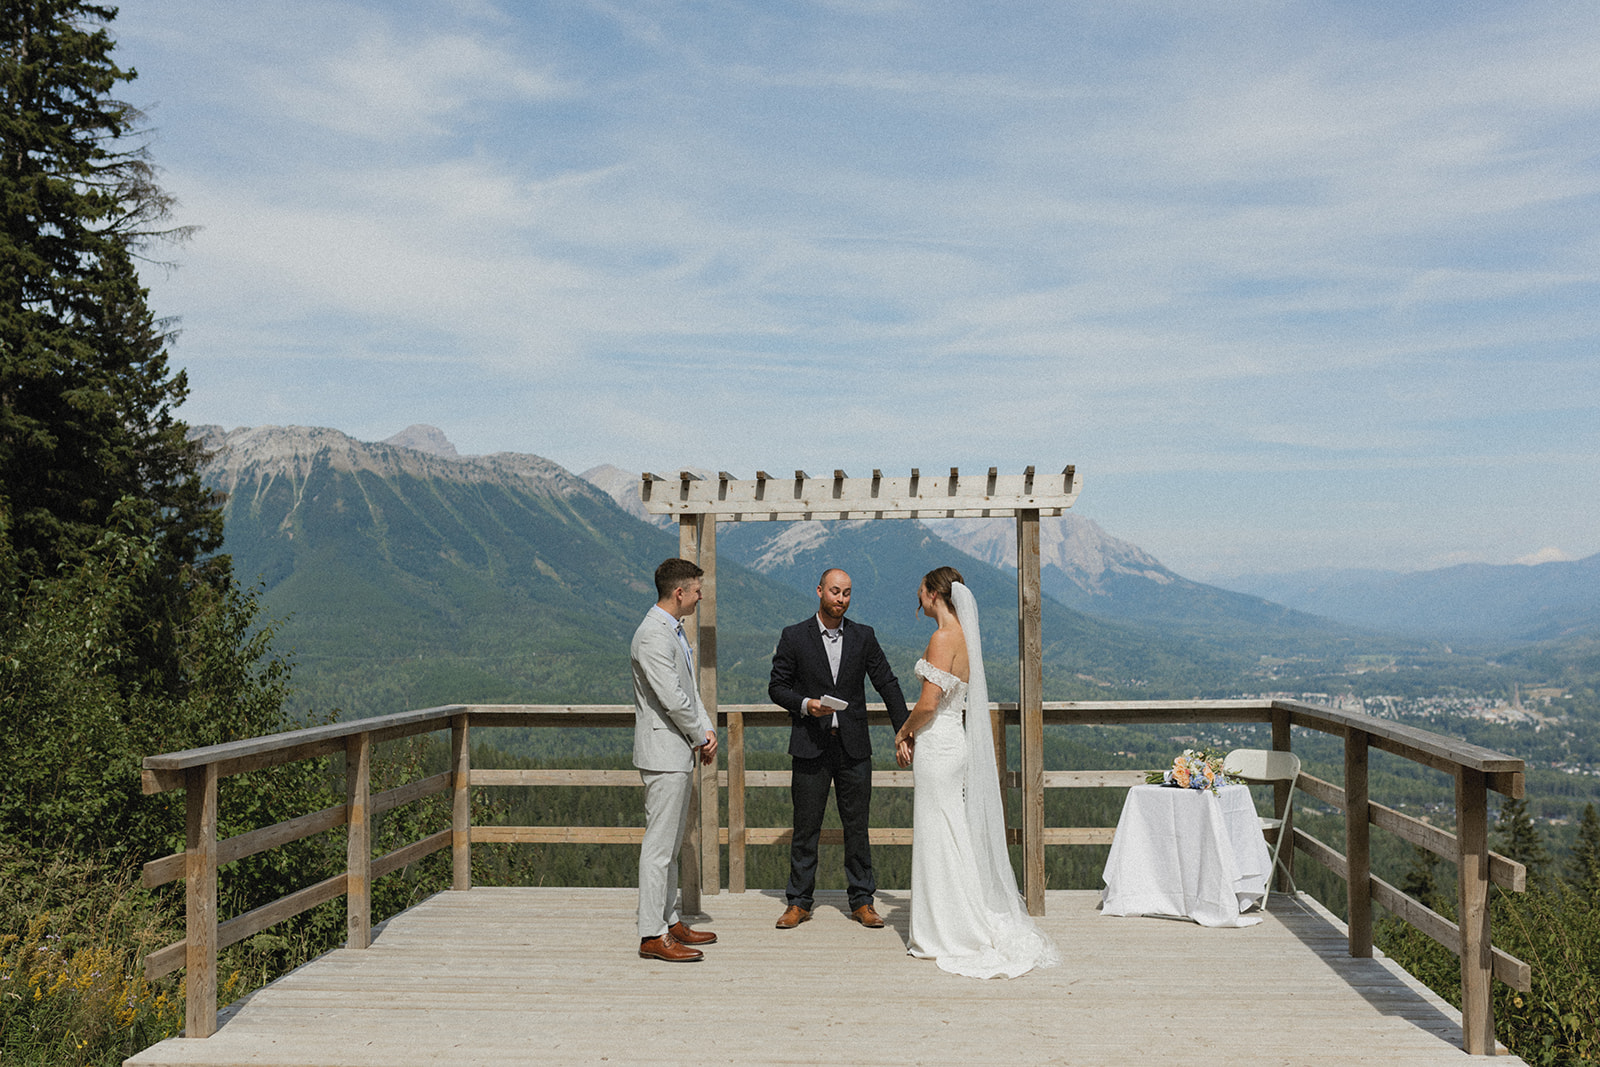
pixel 685 936
pixel 667 949
pixel 868 916
pixel 792 916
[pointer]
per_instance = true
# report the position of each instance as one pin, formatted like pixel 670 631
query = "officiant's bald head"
pixel 833 596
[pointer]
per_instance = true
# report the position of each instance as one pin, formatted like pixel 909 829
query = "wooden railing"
pixel 1475 770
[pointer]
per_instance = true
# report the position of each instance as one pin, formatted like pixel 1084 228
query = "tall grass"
pixel 73 934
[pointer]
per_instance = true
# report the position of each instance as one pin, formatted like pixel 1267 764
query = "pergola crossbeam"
pixel 768 499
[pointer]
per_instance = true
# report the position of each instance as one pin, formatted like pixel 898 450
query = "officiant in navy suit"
pixel 829 655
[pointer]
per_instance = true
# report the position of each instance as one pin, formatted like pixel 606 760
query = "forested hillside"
pixel 408 580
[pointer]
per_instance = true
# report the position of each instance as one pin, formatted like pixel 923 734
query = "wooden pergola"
pixel 700 503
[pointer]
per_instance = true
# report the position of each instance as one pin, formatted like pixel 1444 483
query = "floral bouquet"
pixel 1195 769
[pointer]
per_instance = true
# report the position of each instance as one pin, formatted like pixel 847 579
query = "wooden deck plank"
pixel 509 976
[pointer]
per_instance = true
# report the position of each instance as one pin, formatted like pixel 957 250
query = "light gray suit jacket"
pixel 669 719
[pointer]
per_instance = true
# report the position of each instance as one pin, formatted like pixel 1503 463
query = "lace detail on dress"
pixel 943 679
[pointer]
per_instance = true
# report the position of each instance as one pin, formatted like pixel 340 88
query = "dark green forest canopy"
pixel 88 437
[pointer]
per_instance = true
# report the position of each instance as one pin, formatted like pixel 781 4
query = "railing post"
pixel 1472 888
pixel 736 811
pixel 358 839
pixel 1281 741
pixel 200 901
pixel 1030 706
pixel 460 803
pixel 1357 844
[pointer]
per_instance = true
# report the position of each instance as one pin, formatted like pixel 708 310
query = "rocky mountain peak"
pixel 1074 545
pixel 623 487
pixel 423 438
pixel 210 435
pixel 263 453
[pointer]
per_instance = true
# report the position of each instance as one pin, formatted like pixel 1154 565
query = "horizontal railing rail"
pixel 198 772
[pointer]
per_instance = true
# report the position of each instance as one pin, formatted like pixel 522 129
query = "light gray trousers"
pixel 666 813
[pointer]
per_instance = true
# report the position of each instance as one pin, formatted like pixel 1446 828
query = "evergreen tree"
pixel 86 394
pixel 1583 866
pixel 1519 838
pixel 121 633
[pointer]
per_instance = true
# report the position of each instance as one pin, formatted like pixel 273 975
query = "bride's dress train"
pixel 966 913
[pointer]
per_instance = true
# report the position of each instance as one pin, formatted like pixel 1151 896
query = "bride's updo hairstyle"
pixel 938 582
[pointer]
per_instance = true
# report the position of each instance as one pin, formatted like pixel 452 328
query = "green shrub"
pixel 1556 931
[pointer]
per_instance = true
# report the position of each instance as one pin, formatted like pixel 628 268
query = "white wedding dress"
pixel 966 913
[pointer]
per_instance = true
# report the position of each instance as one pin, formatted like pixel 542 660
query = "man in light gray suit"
pixel 670 727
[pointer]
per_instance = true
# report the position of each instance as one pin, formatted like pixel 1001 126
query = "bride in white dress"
pixel 966 913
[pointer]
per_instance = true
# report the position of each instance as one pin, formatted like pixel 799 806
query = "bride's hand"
pixel 903 750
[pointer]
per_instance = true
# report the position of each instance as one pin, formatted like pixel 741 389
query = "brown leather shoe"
pixel 793 916
pixel 685 936
pixel 867 916
pixel 667 949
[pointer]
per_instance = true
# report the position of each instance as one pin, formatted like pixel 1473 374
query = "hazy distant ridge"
pixel 1470 601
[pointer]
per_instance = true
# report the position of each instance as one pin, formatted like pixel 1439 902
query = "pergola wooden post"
pixel 1030 709
pixel 700 502
pixel 700 868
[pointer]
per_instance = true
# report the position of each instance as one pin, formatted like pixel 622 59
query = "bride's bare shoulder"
pixel 945 648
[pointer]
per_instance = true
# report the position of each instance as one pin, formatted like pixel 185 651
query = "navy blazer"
pixel 800 672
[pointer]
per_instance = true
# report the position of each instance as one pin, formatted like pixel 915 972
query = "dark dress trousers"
pixel 822 756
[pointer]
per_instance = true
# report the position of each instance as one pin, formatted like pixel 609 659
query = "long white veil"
pixel 1018 937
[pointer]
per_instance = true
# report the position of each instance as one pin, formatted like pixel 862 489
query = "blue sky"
pixel 1292 284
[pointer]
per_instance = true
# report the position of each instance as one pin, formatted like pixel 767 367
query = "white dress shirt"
pixel 833 644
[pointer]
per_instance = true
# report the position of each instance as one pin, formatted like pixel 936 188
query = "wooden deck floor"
pixel 514 976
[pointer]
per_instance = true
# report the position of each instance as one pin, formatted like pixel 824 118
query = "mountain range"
pixel 1479 602
pixel 404 578
pixel 402 574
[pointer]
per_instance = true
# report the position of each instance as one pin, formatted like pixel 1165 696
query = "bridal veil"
pixel 1019 943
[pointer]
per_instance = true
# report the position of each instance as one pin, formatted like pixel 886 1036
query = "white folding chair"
pixel 1257 766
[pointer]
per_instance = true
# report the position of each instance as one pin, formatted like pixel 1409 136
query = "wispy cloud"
pixel 1254 238
pixel 385 87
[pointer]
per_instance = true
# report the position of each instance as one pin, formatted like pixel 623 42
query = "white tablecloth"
pixel 1189 853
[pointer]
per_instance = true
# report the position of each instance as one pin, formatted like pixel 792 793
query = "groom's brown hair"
pixel 673 573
